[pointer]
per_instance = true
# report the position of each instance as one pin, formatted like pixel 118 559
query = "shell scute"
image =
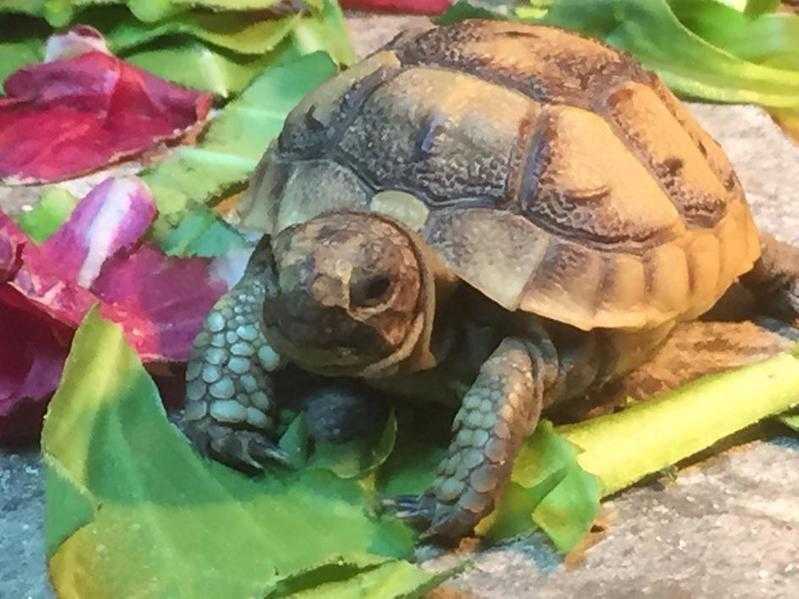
pixel 549 171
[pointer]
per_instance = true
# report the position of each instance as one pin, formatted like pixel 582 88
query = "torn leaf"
pixel 68 117
pixel 173 524
pixel 160 301
pixel 226 156
pixel 96 256
pixel 549 491
pixel 114 216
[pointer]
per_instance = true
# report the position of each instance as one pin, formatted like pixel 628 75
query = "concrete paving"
pixel 726 527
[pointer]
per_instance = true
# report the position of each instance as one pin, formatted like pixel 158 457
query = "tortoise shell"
pixel 547 170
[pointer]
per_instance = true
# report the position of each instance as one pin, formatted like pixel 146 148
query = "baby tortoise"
pixel 503 215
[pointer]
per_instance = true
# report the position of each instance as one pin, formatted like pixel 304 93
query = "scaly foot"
pixel 230 403
pixel 498 411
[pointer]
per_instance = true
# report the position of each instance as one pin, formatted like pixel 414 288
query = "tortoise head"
pixel 350 294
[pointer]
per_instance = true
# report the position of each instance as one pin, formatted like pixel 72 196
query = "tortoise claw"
pixel 417 510
pixel 437 521
pixel 248 450
pixel 245 450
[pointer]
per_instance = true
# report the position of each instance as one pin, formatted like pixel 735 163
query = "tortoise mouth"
pixel 348 293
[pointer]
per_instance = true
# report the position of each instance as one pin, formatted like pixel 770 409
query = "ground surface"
pixel 726 527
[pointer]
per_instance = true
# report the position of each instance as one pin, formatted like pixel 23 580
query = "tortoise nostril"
pixel 369 291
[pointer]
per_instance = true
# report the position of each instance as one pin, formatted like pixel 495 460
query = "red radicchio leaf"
pixel 422 7
pixel 160 301
pixel 33 348
pixel 12 241
pixel 37 280
pixel 67 117
pixel 112 217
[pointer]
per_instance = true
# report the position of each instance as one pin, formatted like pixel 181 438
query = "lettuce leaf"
pixel 133 510
pixel 688 60
pixel 219 52
pixel 234 141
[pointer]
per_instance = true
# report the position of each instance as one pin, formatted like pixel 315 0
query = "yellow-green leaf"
pixel 622 448
pixel 133 511
pixel 235 140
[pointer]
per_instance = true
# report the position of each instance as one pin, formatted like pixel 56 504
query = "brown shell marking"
pixel 673 157
pixel 589 187
pixel 443 142
pixel 323 115
pixel 544 63
pixel 561 177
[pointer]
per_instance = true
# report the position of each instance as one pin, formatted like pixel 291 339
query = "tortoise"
pixel 502 215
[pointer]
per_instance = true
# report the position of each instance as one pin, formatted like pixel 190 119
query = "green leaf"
pixel 689 64
pixel 234 142
pixel 194 64
pixel 296 441
pixel 325 30
pixel 421 444
pixel 548 487
pixel 215 51
pixel 765 37
pixel 549 490
pixel 202 233
pixel 134 511
pixel 68 505
pixel 53 209
pixel 390 579
pixel 34 8
pixel 653 32
pixel 243 33
pixel 463 9
pixel 791 420
pixel 356 458
pixel 61 12
pixel 567 511
pixel 21 43
pixel 622 448
pixel 351 459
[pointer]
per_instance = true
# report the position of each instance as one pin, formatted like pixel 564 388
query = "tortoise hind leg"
pixel 774 280
pixel 694 349
pixel 500 409
pixel 230 404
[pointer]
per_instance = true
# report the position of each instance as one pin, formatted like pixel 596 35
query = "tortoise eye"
pixel 369 292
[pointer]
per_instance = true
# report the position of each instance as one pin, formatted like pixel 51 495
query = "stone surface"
pixel 22 567
pixel 766 161
pixel 727 527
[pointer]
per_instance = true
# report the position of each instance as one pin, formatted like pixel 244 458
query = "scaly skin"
pixel 230 404
pixel 230 407
pixel 500 409
pixel 775 278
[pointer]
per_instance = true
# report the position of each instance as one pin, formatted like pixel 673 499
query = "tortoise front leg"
pixel 774 280
pixel 500 409
pixel 230 404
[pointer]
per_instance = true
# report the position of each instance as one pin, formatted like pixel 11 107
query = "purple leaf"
pixel 95 257
pixel 160 301
pixel 87 109
pixel 112 217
